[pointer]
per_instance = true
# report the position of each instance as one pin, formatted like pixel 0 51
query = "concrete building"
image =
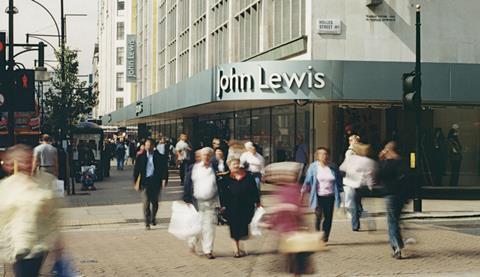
pixel 286 72
pixel 114 24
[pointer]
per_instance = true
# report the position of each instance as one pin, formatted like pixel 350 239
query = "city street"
pixel 105 236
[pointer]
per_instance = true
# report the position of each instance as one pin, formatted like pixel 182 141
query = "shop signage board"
pixel 131 63
pixel 273 80
pixel 329 26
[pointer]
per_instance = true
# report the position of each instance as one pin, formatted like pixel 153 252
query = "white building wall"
pixel 449 29
pixel 449 34
pixel 108 44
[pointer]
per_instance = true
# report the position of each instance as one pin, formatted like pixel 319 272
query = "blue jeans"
pixel 394 209
pixel 258 177
pixel 120 163
pixel 356 210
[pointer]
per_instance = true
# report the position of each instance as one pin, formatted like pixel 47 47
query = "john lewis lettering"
pixel 244 82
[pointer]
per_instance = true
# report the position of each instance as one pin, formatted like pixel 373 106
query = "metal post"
pixel 11 65
pixel 417 201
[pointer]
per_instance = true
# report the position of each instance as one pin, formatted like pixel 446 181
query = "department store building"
pixel 286 72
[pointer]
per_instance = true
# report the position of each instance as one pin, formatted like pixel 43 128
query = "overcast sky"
pixel 81 31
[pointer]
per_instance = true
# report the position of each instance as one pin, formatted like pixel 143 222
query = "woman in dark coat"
pixel 240 198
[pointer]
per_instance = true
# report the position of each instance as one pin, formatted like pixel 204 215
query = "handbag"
pixel 301 241
pixel 137 182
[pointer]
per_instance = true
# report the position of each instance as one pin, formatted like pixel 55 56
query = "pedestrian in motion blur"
pixel 151 168
pixel 324 182
pixel 28 217
pixel 393 176
pixel 253 162
pixel 240 199
pixel 201 190
pixel 360 171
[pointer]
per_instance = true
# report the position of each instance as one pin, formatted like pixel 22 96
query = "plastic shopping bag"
pixel 185 221
pixel 254 224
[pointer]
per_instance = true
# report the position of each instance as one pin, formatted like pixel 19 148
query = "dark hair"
pixel 324 149
pixel 150 140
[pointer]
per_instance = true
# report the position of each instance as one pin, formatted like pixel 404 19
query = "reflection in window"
pixel 242 125
pixel 283 127
pixel 261 132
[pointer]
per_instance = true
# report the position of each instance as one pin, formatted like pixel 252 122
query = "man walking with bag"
pixel 150 170
pixel 201 190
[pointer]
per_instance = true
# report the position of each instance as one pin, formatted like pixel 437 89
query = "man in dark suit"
pixel 150 166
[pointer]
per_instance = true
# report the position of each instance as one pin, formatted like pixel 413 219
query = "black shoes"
pixel 147 227
pixel 154 222
pixel 210 256
pixel 397 254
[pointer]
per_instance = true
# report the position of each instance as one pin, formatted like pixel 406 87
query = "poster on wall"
pixel 27 122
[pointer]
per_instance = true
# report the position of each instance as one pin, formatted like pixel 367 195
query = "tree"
pixel 66 103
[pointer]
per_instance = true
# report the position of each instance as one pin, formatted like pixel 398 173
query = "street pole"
pixel 11 65
pixel 417 201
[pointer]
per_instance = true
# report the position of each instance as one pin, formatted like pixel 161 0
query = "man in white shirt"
pixel 201 189
pixel 183 151
pixel 253 162
pixel 45 156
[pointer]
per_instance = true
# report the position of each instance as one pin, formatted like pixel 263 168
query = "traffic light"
pixel 3 54
pixel 24 90
pixel 411 91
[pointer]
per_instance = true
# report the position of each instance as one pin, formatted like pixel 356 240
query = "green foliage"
pixel 67 102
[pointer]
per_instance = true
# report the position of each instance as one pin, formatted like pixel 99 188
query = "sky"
pixel 81 31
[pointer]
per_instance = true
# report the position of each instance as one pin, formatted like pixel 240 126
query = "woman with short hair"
pixel 324 182
pixel 240 198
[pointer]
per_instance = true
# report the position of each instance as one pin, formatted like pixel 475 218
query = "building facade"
pixel 114 24
pixel 286 72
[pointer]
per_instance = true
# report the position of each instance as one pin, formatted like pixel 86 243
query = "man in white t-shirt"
pixel 45 156
pixel 183 151
pixel 201 189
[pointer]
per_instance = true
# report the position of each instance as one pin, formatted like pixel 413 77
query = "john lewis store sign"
pixel 267 81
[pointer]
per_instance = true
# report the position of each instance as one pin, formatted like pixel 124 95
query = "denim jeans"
pixel 394 209
pixel 258 177
pixel 356 209
pixel 120 163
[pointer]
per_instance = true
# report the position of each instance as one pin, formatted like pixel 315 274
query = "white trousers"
pixel 206 210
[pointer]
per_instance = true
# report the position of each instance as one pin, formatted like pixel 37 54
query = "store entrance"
pixel 207 129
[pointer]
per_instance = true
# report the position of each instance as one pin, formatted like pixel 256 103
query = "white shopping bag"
pixel 185 221
pixel 254 228
pixel 58 188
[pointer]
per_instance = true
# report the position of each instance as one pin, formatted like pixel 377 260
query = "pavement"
pixel 104 236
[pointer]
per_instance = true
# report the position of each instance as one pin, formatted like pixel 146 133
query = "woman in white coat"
pixel 359 171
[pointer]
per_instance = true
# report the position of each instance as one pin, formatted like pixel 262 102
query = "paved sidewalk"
pixel 97 211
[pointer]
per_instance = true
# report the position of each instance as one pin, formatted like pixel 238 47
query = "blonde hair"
pixel 354 137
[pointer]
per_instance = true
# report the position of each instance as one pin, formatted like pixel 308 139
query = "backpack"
pixel 120 151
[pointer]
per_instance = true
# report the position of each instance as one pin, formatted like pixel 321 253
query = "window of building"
pixel 120 30
pixel 288 20
pixel 242 125
pixel 120 55
pixel 219 35
pixel 118 103
pixel 261 132
pixel 120 7
pixel 283 128
pixel 248 25
pixel 120 81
